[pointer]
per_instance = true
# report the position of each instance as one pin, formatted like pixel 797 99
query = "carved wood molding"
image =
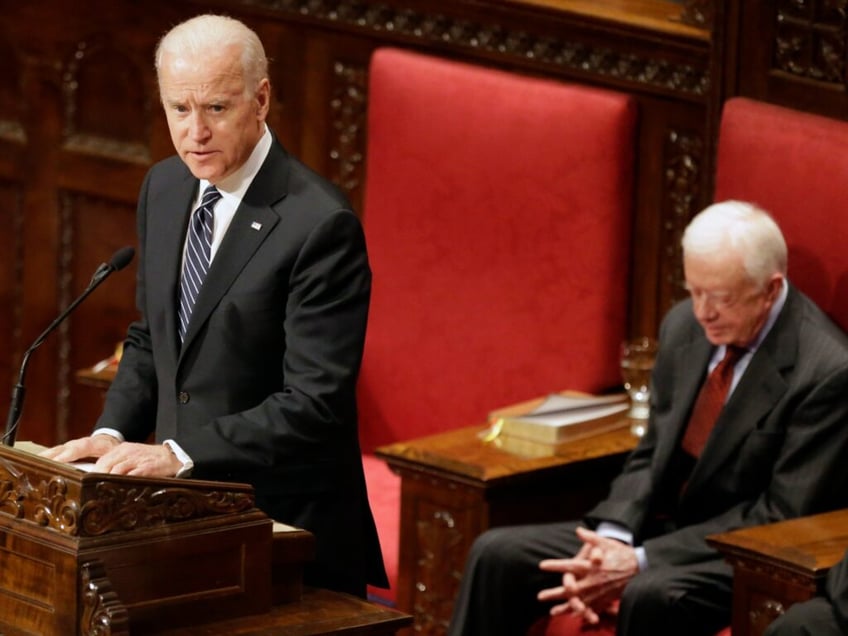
pixel 119 508
pixel 48 501
pixel 811 39
pixel 684 157
pixel 102 614
pixel 503 41
pixel 45 502
pixel 348 107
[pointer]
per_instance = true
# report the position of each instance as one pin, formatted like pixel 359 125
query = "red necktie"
pixel 710 402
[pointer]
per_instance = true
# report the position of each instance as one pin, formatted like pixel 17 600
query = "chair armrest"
pixel 779 564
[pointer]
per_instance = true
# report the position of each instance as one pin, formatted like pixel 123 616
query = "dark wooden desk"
pixel 777 565
pixel 319 613
pixel 454 486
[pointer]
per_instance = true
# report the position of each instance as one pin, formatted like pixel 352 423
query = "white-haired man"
pixel 748 425
pixel 252 313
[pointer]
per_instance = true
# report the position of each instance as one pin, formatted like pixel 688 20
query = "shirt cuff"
pixel 186 461
pixel 615 531
pixel 111 432
pixel 642 558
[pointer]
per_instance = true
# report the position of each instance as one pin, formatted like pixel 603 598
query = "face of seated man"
pixel 728 303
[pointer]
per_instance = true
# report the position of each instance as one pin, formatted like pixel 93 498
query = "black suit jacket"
pixel 778 449
pixel 262 390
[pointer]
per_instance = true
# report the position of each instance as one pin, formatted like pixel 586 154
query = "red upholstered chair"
pixel 497 212
pixel 794 165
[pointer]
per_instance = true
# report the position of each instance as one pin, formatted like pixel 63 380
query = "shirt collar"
pixel 235 185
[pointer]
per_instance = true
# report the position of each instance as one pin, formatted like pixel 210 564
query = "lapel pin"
pixel 256 225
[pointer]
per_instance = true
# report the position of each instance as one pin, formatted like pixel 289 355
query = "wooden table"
pixel 777 565
pixel 319 613
pixel 455 485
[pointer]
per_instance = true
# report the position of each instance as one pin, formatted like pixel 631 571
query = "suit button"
pixel 183 397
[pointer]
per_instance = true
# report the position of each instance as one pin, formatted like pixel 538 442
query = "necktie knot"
pixel 732 354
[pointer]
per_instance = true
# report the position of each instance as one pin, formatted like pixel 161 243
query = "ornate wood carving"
pixel 348 108
pixel 501 40
pixel 119 508
pixel 683 168
pixel 103 614
pixel 438 571
pixel 811 39
pixel 45 499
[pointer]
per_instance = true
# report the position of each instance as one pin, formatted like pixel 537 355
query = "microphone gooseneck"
pixel 119 260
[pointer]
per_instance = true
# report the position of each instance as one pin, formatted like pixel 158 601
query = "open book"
pixel 562 417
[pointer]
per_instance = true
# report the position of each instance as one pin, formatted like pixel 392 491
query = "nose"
pixel 198 130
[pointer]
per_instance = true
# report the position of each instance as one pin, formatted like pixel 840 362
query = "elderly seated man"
pixel 747 426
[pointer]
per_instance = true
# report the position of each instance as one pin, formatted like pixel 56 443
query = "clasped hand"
pixel 593 579
pixel 118 458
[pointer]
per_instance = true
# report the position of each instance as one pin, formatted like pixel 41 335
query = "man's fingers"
pixel 578 566
pixel 551 594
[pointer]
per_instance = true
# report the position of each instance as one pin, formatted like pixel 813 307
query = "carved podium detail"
pixel 120 508
pixel 100 555
pixel 114 508
pixel 102 612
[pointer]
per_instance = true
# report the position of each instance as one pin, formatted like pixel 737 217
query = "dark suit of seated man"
pixel 825 615
pixel 772 450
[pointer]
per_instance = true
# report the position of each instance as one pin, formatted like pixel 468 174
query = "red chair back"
pixel 795 165
pixel 497 213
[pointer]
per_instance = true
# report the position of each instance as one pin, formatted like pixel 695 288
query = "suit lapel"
pixel 166 235
pixel 253 221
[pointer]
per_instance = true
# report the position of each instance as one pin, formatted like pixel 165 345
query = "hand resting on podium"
pixel 118 458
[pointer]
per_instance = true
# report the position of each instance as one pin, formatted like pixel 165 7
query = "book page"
pixel 572 416
pixel 558 403
pixel 36 449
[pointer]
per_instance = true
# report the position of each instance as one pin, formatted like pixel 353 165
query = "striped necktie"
pixel 197 255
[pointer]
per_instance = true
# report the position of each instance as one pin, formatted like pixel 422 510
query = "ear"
pixel 263 99
pixel 773 286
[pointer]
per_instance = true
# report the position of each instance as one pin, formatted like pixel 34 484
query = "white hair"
pixel 743 228
pixel 213 33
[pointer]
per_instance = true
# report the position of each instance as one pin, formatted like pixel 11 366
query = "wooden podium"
pixel 88 553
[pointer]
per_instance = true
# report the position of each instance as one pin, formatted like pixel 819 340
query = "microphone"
pixel 119 260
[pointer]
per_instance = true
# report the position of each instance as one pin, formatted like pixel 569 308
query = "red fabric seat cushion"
pixel 384 497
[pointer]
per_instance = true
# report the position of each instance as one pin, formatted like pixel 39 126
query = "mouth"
pixel 201 154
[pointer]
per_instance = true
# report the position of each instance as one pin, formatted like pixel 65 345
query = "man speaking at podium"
pixel 253 290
